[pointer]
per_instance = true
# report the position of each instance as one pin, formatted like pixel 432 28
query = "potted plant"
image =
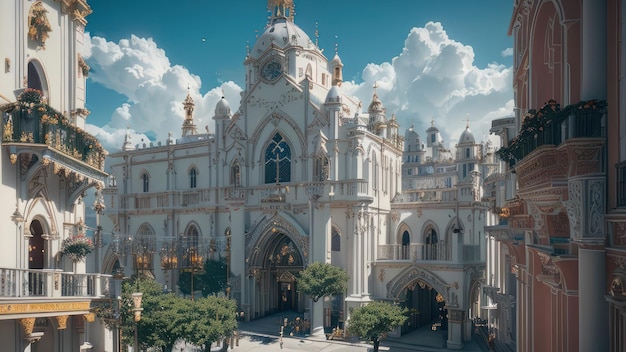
pixel 77 247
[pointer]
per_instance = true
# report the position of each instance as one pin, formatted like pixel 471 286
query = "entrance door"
pixel 287 297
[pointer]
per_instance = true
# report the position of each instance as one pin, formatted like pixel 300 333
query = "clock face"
pixel 272 70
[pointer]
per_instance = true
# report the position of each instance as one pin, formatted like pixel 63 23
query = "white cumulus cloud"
pixel 434 78
pixel 138 69
pixel 507 52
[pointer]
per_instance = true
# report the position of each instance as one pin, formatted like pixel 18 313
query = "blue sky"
pixel 144 54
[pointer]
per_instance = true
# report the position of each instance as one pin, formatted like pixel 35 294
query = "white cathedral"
pixel 302 174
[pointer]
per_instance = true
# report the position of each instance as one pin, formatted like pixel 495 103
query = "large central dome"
pixel 281 33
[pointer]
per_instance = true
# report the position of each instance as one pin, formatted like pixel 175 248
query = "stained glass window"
pixel 278 160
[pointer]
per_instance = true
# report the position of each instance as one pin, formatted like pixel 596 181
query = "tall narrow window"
pixel 278 160
pixel 335 241
pixel 192 178
pixel 146 182
pixel 235 175
pixel 406 241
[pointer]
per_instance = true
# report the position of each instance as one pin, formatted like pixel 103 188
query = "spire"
pixel 467 121
pixel 189 128
pixel 281 9
pixel 127 141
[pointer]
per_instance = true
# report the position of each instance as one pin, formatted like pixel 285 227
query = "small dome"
pixel 376 105
pixel 222 108
pixel 333 96
pixel 281 33
pixel 336 61
pixel 467 137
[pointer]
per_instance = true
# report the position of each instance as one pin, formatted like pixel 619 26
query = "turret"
pixel 189 128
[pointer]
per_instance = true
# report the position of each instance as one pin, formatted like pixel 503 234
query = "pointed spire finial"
pixel 467 121
pixel 336 45
pixel 317 34
pixel 432 122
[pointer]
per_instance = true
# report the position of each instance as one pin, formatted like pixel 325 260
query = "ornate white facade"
pixel 48 163
pixel 299 174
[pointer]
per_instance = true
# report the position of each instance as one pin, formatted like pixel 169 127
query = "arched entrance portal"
pixel 275 270
pixel 425 306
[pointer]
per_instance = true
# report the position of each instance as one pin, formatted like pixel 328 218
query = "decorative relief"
pixel 574 207
pixel 62 321
pixel 397 286
pixel 596 208
pixel 27 324
pixel 38 25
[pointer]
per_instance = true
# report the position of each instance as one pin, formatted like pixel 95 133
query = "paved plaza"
pixel 264 335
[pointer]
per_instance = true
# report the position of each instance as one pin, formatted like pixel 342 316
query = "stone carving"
pixel 596 207
pixel 395 287
pixel 573 206
pixel 62 321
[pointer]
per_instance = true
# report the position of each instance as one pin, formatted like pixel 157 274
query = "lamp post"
pixel 137 313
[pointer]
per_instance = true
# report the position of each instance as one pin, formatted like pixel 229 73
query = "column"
pixel 592 307
pixel 455 329
pixel 319 229
pixel 593 50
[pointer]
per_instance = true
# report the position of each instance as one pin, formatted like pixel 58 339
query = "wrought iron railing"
pixel 40 124
pixel 553 126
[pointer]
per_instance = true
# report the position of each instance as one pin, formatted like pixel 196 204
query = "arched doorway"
pixel 274 268
pixel 425 306
pixel 36 246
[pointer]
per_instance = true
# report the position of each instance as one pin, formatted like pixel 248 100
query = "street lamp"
pixel 137 312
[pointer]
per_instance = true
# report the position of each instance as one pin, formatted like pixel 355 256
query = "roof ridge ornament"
pixel 281 9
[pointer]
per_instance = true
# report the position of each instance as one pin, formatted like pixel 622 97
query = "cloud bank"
pixel 433 79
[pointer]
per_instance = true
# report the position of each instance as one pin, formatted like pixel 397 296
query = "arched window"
pixel 335 241
pixel 406 242
pixel 431 247
pixel 235 174
pixel 146 182
pixel 192 254
pixel 192 178
pixel 467 153
pixel 278 160
pixel 144 247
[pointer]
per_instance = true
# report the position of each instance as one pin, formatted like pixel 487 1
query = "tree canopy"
pixel 211 280
pixel 373 321
pixel 167 318
pixel 322 279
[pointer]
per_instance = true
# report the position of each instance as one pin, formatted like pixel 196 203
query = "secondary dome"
pixel 222 108
pixel 467 137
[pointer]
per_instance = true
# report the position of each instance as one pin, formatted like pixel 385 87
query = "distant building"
pixel 48 164
pixel 557 261
pixel 301 173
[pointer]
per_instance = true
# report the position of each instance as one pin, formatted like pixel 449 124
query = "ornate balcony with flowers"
pixel 34 131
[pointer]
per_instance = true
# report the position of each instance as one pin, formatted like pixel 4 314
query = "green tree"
pixel 162 323
pixel 373 321
pixel 322 279
pixel 210 319
pixel 211 280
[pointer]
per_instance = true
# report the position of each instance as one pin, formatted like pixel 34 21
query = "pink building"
pixel 562 205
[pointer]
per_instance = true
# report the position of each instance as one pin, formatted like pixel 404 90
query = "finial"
pixel 317 34
pixel 432 122
pixel 336 45
pixel 467 121
pixel 247 48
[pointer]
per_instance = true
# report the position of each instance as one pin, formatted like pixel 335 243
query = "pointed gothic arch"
pixel 277 159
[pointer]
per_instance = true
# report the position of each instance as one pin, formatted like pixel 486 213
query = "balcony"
pixel 29 283
pixel 553 126
pixel 30 126
pixel 415 252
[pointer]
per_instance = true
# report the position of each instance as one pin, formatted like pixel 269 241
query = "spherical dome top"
pixel 281 33
pixel 467 137
pixel 376 105
pixel 333 96
pixel 222 108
